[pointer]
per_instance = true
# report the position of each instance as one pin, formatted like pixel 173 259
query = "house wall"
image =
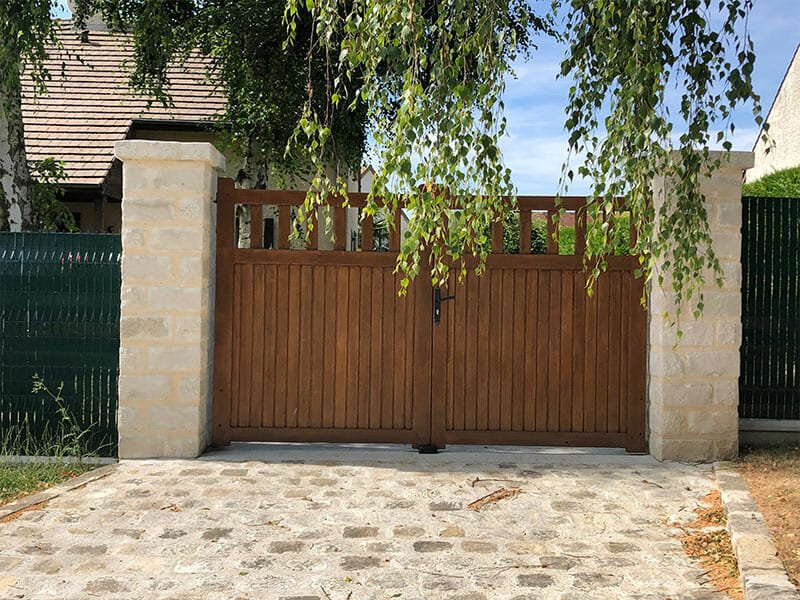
pixel 784 128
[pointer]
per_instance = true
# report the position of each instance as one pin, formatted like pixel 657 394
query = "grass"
pixel 20 479
pixel 773 476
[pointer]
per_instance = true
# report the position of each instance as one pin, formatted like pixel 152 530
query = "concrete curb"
pixel 7 510
pixel 761 572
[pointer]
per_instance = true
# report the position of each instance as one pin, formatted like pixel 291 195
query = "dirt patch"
pixel 773 476
pixel 706 541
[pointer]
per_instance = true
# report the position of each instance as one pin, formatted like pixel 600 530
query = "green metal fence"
pixel 769 384
pixel 59 318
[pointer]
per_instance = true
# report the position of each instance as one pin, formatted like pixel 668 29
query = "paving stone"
pixel 88 550
pixel 431 546
pixel 277 530
pixel 408 531
pixel 534 580
pixel 444 506
pixel 452 531
pixel 478 547
pixel 360 532
pixel 285 546
pixel 356 563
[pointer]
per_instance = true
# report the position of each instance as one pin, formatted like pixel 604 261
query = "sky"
pixel 536 146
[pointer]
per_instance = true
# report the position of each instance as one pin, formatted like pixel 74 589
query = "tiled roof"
pixel 88 105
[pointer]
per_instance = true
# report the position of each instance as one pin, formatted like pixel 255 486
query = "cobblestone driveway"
pixel 363 524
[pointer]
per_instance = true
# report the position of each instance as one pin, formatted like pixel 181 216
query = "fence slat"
pixel 768 384
pixel 59 319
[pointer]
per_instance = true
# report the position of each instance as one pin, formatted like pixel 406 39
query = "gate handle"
pixel 437 304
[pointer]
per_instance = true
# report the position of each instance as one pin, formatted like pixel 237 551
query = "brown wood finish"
pixel 315 345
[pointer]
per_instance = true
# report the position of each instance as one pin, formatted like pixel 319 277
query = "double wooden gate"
pixel 315 345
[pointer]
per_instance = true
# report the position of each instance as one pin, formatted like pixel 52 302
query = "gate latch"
pixel 437 304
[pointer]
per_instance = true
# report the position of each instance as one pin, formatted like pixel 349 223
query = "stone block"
pixel 173 419
pixel 712 363
pixel 726 392
pixel 174 359
pixel 190 329
pixel 180 239
pixel 684 394
pixel 141 269
pixel 727 245
pixel 665 364
pixel 728 333
pixel 729 215
pixel 178 299
pixel 719 422
pixel 132 358
pixel 143 389
pixel 150 328
pixel 146 211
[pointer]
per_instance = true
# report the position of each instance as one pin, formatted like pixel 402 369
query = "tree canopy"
pixel 311 84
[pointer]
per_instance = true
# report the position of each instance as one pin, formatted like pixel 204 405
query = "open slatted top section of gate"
pixel 536 224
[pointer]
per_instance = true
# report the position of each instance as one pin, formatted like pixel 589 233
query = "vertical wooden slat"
pixel 256 226
pixel 506 335
pixel 353 346
pixel 281 345
pixel 554 352
pixel 470 367
pixel 484 336
pixel 497 237
pixel 293 362
pixel 530 338
pixel 375 375
pixel 284 226
pixel 365 349
pixel 603 349
pixel 590 373
pixel 318 354
pixel 340 347
pixel 246 341
pixel 542 350
pixel 524 232
pixel 224 291
pixel 518 352
pixel 329 347
pixel 580 232
pixel 495 315
pixel 614 350
pixel 566 398
pixel 410 328
pixel 637 359
pixel 625 367
pixel 339 228
pixel 270 326
pixel 386 295
pixel 423 325
pixel 578 350
pixel 367 234
pixel 306 338
pixel 394 233
pixel 399 363
pixel 259 343
pixel 552 241
pixel 458 354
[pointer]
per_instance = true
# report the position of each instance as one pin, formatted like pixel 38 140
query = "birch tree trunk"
pixel 15 194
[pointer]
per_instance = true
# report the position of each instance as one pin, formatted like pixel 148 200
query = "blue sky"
pixel 536 146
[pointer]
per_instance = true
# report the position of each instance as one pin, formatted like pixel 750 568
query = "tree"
pixel 309 82
pixel 26 30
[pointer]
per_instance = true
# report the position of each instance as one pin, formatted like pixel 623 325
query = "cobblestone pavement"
pixel 395 525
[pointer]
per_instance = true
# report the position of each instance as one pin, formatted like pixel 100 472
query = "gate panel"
pixel 554 366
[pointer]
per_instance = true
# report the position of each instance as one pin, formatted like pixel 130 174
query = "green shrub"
pixel 781 184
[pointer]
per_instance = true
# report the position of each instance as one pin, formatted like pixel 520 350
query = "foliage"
pixel 624 57
pixel 266 84
pixel 26 32
pixel 49 212
pixel 66 440
pixel 21 479
pixel 780 184
pixel 566 237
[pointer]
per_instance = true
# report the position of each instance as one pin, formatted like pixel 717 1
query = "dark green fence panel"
pixel 59 318
pixel 769 384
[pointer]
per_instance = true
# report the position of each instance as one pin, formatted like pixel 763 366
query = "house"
pixel 783 149
pixel 88 106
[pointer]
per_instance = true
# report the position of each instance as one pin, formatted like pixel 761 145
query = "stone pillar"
pixel 166 317
pixel 693 387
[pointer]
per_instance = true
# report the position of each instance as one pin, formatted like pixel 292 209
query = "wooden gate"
pixel 316 345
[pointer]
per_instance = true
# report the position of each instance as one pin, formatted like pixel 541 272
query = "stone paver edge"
pixel 761 571
pixel 57 490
